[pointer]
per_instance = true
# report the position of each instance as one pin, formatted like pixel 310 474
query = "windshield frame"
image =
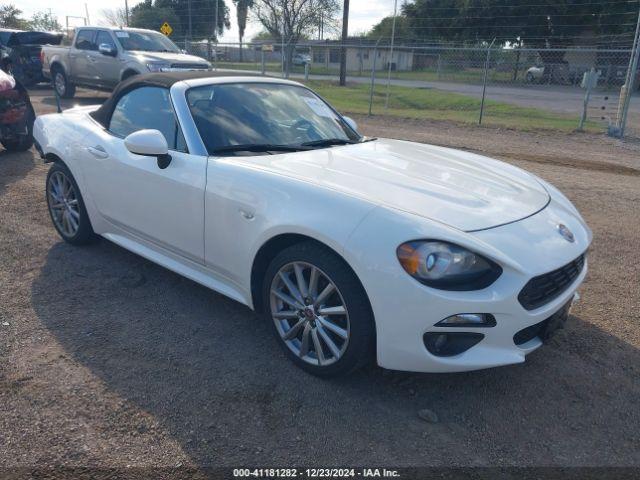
pixel 358 137
pixel 145 32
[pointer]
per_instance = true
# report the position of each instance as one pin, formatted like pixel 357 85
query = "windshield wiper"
pixel 258 147
pixel 327 142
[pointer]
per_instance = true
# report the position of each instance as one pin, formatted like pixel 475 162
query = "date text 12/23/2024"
pixel 315 473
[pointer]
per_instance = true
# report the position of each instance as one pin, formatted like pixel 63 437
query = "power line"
pixel 524 5
pixel 552 15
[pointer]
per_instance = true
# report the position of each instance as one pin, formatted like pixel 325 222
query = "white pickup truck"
pixel 101 57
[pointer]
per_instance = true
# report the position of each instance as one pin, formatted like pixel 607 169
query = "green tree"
pixel 384 27
pixel 146 15
pixel 242 11
pixel 202 16
pixel 45 21
pixel 10 17
pixel 544 23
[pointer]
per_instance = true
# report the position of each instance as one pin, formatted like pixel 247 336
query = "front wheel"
pixel 66 206
pixel 319 310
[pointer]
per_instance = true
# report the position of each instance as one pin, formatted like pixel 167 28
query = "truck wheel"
pixel 23 142
pixel 61 83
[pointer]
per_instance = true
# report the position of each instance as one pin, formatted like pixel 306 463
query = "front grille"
pixel 544 288
pixel 190 66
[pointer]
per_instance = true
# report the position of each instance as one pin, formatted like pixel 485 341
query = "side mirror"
pixel 105 49
pixel 351 122
pixel 150 143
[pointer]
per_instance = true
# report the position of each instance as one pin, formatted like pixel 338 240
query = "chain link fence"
pixel 549 88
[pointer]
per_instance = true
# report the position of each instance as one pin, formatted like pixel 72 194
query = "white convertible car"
pixel 425 258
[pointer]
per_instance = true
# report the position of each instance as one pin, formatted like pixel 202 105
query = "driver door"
pixel 162 206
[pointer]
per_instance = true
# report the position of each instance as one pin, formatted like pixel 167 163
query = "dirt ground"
pixel 107 360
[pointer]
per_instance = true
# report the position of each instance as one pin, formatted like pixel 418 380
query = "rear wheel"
pixel 66 206
pixel 319 310
pixel 23 142
pixel 61 83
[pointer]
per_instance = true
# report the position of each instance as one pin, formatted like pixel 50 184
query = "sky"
pixel 363 14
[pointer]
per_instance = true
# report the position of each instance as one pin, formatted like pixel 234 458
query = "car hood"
pixel 169 57
pixel 460 189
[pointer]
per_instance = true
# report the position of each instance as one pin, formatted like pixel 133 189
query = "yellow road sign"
pixel 166 29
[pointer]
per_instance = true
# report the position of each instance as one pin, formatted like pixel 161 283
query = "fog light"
pixel 468 320
pixel 450 343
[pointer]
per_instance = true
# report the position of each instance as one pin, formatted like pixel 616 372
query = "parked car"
pixel 100 57
pixel 301 59
pixel 559 72
pixel 16 114
pixel 427 258
pixel 20 52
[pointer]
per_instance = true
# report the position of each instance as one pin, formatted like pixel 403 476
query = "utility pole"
pixel 390 60
pixel 215 23
pixel 189 13
pixel 343 50
pixel 627 89
pixel 86 11
pixel 126 11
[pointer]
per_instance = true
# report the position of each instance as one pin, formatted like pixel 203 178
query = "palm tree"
pixel 242 10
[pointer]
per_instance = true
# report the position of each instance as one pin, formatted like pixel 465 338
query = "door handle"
pixel 98 151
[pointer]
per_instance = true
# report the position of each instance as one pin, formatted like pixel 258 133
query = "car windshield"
pixel 145 41
pixel 265 117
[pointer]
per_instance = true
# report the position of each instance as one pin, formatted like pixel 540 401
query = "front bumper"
pixel 405 309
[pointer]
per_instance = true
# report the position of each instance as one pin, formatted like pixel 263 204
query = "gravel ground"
pixel 107 360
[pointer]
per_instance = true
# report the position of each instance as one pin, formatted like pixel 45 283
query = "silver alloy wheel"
pixel 63 204
pixel 61 86
pixel 309 313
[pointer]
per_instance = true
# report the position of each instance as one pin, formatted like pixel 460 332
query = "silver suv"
pixel 101 57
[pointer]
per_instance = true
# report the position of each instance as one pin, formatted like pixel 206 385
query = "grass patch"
pixel 434 104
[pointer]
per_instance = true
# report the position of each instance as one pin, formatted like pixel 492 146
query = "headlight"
pixel 447 266
pixel 157 67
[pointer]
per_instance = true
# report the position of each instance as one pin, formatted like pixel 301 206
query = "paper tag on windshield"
pixel 318 107
pixel 122 34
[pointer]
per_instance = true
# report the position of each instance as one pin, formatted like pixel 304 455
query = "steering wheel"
pixel 308 127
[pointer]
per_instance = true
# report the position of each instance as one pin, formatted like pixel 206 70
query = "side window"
pixel 105 37
pixel 147 107
pixel 85 40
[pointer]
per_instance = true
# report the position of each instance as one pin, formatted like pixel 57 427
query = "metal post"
pixel 189 13
pixel 631 76
pixel 262 62
pixel 373 74
pixel 343 48
pixel 484 81
pixel 591 77
pixel 306 71
pixel 215 24
pixel 393 37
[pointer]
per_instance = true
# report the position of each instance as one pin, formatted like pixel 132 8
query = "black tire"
pixel 530 78
pixel 61 83
pixel 23 142
pixel 84 234
pixel 360 348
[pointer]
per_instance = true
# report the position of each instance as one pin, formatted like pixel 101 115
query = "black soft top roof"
pixel 163 80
